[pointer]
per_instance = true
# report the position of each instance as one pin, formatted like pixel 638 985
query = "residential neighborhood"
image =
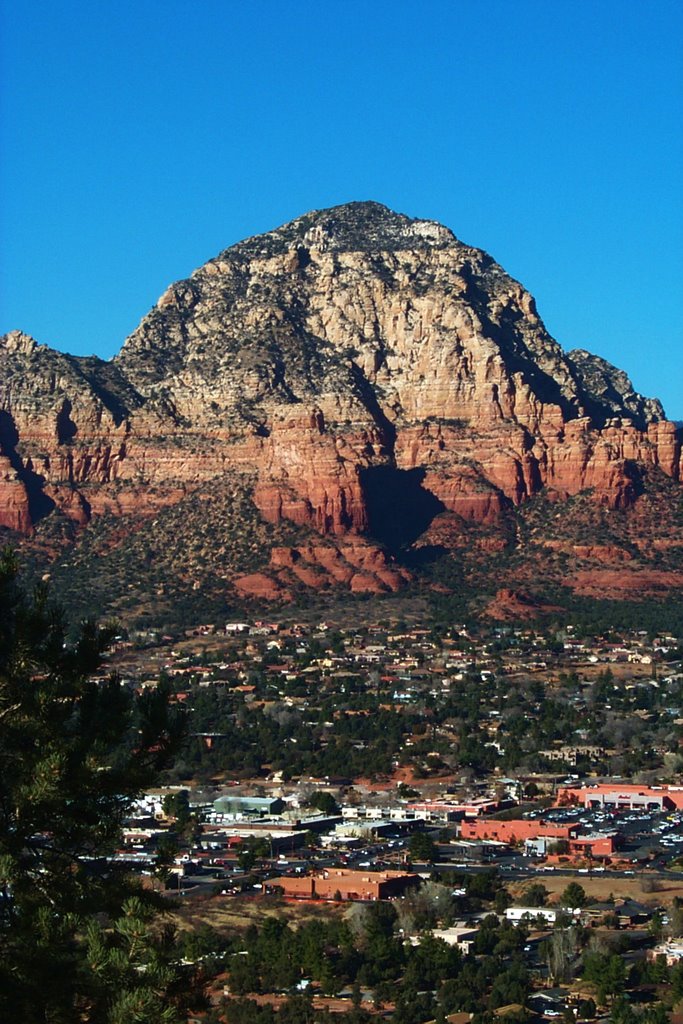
pixel 500 789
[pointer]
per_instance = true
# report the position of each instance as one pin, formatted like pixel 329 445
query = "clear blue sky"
pixel 140 139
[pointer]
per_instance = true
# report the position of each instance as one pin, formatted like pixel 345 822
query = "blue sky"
pixel 140 139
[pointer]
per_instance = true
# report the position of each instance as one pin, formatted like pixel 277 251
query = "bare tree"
pixel 561 952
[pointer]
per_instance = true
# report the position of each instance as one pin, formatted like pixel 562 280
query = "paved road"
pixel 516 872
pixel 202 886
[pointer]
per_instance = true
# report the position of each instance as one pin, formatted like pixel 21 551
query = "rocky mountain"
pixel 373 389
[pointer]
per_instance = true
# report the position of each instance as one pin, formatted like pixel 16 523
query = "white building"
pixel 549 914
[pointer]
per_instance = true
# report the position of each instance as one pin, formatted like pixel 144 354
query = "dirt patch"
pixel 333 1004
pixel 643 888
pixel 236 913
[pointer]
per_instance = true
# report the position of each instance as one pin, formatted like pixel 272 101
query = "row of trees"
pixel 369 950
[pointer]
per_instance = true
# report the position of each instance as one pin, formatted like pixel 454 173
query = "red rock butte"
pixel 370 376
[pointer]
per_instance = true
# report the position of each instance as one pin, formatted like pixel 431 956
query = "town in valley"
pixel 504 788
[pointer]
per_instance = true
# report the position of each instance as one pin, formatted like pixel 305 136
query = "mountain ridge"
pixel 351 354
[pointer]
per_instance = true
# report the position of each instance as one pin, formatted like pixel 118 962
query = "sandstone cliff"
pixel 370 376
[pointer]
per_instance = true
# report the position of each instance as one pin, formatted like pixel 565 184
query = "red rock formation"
pixel 622 583
pixel 357 564
pixel 14 503
pixel 351 340
pixel 262 587
pixel 515 606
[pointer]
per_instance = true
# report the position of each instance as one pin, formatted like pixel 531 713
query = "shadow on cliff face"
pixel 39 504
pixel 66 428
pixel 399 508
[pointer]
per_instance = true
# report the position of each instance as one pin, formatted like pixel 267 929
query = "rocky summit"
pixel 346 401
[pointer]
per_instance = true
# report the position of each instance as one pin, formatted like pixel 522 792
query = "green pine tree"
pixel 74 752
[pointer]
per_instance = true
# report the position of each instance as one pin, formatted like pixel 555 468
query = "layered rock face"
pixel 368 370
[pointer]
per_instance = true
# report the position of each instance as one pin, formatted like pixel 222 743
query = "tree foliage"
pixel 607 971
pixel 574 895
pixel 324 802
pixel 422 847
pixel 74 752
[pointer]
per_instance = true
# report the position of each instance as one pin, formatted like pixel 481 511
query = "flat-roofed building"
pixel 253 806
pixel 599 844
pixel 622 795
pixel 343 884
pixel 447 810
pixel 549 914
pixel 514 831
